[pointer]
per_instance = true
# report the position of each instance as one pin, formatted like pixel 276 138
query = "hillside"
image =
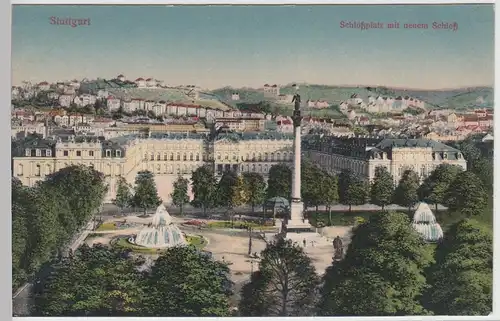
pixel 455 98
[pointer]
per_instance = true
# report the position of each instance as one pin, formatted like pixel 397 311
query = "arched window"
pixel 191 157
pixel 184 157
pixel 197 157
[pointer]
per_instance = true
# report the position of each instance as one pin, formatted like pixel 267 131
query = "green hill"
pixel 463 98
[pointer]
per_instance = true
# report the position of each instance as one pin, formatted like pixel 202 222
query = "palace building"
pixel 167 155
pixel 363 154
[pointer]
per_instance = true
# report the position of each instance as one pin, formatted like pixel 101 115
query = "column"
pixel 296 179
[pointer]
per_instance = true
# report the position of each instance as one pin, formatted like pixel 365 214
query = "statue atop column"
pixel 297 118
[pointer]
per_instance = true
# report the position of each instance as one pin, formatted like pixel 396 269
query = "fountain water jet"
pixel 161 233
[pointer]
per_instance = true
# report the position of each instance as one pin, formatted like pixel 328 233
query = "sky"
pixel 239 46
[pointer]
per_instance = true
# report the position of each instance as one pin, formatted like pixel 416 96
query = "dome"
pixel 161 232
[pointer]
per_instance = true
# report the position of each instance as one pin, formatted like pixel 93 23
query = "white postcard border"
pixel 5 75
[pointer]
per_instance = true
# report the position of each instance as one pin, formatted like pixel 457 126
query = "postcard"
pixel 224 161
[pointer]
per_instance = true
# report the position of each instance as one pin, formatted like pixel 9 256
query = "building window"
pixel 191 157
pixel 178 158
pixel 118 153
pixel 65 153
pixel 91 153
pixel 20 170
pixel 165 157
pixel 28 152
pixel 108 152
pixel 422 171
pixel 158 157
pixel 184 157
pixel 37 170
pixel 48 152
pixel 78 153
pixel 38 153
pixel 171 157
pixel 197 157
pixel 152 157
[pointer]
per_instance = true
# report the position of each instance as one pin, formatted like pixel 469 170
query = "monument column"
pixel 296 205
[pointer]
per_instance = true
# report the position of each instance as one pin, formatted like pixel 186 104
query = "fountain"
pixel 160 233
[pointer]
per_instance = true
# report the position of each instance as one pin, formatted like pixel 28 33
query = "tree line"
pixel 463 192
pixel 387 271
pixel 46 216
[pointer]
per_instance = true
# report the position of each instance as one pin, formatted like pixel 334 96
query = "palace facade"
pixel 167 155
pixel 362 155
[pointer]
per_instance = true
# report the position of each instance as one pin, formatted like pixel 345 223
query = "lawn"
pixel 238 225
pixel 109 226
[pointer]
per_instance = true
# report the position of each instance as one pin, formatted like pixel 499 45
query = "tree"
pixel 145 193
pixel 352 189
pixel 483 168
pixel 255 188
pixel 466 195
pixel 435 186
pixel 82 187
pixel 204 185
pixel 382 188
pixel 382 273
pixel 227 189
pixel 286 284
pixel 186 282
pixel 20 216
pixel 329 192
pixel 406 193
pixel 279 183
pixel 94 281
pixel 310 185
pixel 180 194
pixel 467 250
pixel 123 195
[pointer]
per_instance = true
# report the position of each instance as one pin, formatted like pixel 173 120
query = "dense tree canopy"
pixel 434 188
pixel 352 190
pixel 286 284
pixel 185 282
pixel 279 182
pixel 382 272
pixel 406 193
pixel 123 197
pixel 255 188
pixel 94 281
pixel 204 186
pixel 466 195
pixel 382 188
pixel 45 217
pixel 180 195
pixel 145 192
pixel 467 251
